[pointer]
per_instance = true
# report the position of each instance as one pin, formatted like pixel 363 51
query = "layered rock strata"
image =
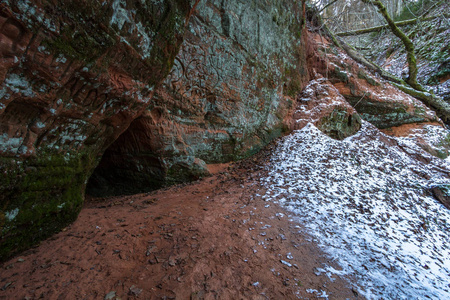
pixel 229 93
pixel 374 99
pixel 74 74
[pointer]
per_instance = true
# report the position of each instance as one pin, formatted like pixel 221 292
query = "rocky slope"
pixel 366 201
pixel 376 100
pixel 237 83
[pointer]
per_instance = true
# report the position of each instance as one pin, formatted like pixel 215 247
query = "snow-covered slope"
pixel 364 200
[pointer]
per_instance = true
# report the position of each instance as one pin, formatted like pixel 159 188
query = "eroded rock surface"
pixel 78 79
pixel 73 76
pixel 234 88
pixel 376 101
pixel 233 84
pixel 321 104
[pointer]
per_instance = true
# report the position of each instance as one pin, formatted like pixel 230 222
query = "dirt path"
pixel 212 239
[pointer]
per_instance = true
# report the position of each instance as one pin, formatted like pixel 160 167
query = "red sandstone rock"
pixel 229 93
pixel 376 100
pixel 73 75
pixel 321 104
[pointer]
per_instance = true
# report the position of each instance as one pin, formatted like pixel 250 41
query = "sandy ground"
pixel 211 239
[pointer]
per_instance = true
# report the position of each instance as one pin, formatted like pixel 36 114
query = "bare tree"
pixel 441 107
pixel 409 46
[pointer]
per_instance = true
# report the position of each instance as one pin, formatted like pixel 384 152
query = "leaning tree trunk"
pixel 379 28
pixel 441 107
pixel 409 46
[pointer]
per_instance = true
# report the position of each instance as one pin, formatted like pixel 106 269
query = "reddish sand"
pixel 211 239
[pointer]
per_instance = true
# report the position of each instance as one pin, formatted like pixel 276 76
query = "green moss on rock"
pixel 339 75
pixel 186 170
pixel 340 124
pixel 42 195
pixel 387 114
pixel 368 78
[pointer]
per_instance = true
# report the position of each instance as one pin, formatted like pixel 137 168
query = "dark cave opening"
pixel 130 165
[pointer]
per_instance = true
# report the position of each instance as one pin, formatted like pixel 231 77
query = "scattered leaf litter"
pixel 365 201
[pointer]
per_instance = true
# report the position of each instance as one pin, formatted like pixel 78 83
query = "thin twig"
pixel 365 93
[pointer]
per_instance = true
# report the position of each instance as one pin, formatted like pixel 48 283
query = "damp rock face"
pixel 153 91
pixel 73 75
pixel 229 93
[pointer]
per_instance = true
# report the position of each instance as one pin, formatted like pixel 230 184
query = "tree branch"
pixel 409 46
pixel 329 4
pixel 439 105
pixel 379 28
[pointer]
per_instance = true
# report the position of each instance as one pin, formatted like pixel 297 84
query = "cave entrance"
pixel 130 165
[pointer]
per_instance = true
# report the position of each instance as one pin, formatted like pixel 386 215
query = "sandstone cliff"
pixel 74 74
pixel 230 90
pixel 99 80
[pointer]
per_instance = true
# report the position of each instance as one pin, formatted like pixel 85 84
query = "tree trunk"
pixel 379 28
pixel 409 46
pixel 441 107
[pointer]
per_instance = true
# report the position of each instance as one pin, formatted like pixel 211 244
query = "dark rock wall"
pixel 73 76
pixel 229 93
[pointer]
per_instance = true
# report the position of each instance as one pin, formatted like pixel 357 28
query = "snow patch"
pixel 16 84
pixel 365 200
pixel 12 214
pixel 10 144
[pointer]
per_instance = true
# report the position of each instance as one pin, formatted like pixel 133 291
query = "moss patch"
pixel 41 196
pixel 387 114
pixel 339 75
pixel 368 78
pixel 186 172
pixel 340 124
